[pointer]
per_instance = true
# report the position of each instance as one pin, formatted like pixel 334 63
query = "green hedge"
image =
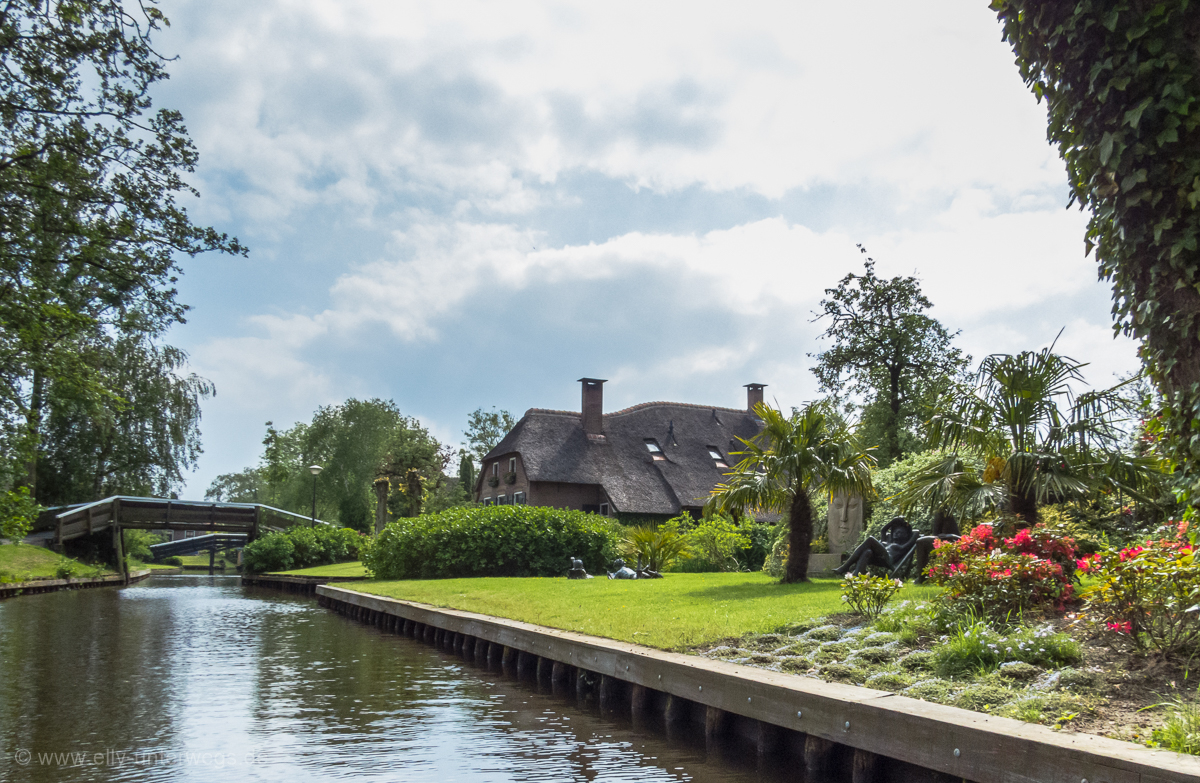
pixel 302 547
pixel 492 541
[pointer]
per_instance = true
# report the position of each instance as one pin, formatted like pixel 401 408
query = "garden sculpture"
pixel 891 550
pixel 646 573
pixel 577 571
pixel 845 521
pixel 622 571
pixel 945 528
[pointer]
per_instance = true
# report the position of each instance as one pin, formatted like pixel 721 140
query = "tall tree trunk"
pixel 33 424
pixel 800 521
pixel 1025 507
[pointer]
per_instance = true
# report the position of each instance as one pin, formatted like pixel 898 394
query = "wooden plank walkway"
pixel 965 744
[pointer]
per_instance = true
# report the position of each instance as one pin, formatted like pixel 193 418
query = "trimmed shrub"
pixel 1148 594
pixel 173 561
pixel 1001 578
pixel 302 547
pixel 492 541
pixel 867 595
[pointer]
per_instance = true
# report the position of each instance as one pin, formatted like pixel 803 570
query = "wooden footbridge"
pixel 120 513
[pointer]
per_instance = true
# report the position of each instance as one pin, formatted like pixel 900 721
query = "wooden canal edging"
pixel 868 735
pixel 306 585
pixel 13 589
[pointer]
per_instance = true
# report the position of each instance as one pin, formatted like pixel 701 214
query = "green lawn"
pixel 353 568
pixel 20 562
pixel 676 612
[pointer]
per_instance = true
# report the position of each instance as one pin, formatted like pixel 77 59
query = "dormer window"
pixel 654 449
pixel 718 460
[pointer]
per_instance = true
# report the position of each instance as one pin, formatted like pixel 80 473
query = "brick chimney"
pixel 754 394
pixel 593 406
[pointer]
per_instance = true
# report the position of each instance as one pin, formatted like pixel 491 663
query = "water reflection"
pixel 194 678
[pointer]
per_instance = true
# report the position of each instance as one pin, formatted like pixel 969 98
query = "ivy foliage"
pixel 1121 80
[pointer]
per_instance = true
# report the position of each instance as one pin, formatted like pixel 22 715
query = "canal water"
pixel 183 678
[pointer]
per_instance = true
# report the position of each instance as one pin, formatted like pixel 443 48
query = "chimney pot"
pixel 593 405
pixel 754 394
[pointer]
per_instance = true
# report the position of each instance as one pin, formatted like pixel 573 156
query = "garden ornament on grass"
pixel 622 571
pixel 895 543
pixel 645 572
pixel 577 571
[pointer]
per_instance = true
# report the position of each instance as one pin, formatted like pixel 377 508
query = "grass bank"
pixel 354 568
pixel 674 613
pixel 23 562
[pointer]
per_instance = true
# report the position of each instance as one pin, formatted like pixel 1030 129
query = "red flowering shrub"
pixel 1148 594
pixel 1001 577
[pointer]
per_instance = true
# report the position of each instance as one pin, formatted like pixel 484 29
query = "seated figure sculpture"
pixel 896 541
pixel 622 571
pixel 577 570
pixel 945 528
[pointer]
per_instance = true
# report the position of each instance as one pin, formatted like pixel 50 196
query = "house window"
pixel 496 468
pixel 718 460
pixel 603 509
pixel 502 500
pixel 654 449
pixel 512 464
pixel 518 498
pixel 189 534
pixel 488 502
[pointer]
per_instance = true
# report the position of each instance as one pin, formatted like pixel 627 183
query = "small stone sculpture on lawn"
pixel 622 571
pixel 646 573
pixel 577 571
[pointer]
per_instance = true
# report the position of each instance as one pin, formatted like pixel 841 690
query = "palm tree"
pixel 1019 437
pixel 793 457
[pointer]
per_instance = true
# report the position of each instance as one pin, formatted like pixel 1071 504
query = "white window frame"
pixel 603 509
pixel 496 468
pixel 502 500
pixel 518 499
pixel 512 464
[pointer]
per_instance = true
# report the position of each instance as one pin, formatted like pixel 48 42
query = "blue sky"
pixel 456 205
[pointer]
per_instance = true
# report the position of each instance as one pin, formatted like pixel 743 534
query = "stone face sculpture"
pixel 845 521
pixel 896 542
pixel 577 571
pixel 622 571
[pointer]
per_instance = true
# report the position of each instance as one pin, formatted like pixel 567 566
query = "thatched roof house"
pixel 656 458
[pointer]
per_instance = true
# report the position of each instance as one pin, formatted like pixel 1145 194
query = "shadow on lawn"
pixel 774 590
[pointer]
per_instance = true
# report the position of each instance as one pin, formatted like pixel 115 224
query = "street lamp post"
pixel 315 470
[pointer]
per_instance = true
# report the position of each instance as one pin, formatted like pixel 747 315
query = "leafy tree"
pixel 355 443
pixel 244 486
pixel 1018 437
pixel 1121 82
pixel 785 464
pixel 90 229
pixel 484 430
pixel 466 475
pixel 138 444
pixel 888 351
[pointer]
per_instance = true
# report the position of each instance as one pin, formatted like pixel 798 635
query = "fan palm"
pixel 1027 439
pixel 787 462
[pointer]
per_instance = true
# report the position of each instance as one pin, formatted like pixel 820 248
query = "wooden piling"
pixel 818 755
pixel 715 723
pixel 639 702
pixel 611 691
pixel 865 767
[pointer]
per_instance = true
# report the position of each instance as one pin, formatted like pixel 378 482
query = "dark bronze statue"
pixel 891 550
pixel 945 528
pixel 577 571
pixel 622 571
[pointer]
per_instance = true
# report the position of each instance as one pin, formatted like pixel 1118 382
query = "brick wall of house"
pixel 573 496
pixel 521 484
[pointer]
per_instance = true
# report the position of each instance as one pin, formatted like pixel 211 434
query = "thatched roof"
pixel 554 447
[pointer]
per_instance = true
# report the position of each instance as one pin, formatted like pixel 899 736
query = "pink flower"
pixel 1120 627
